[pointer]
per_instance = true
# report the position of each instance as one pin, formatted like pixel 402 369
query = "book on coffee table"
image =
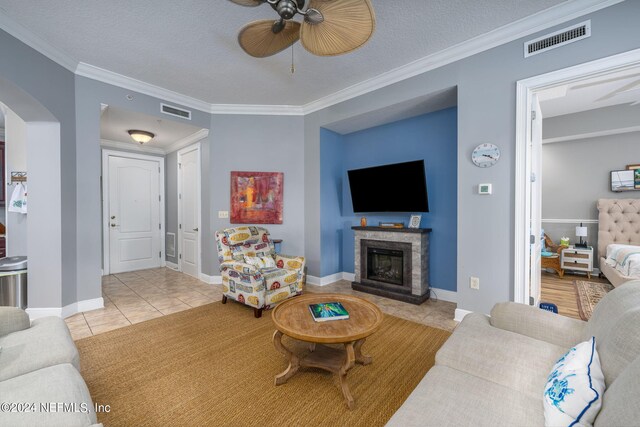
pixel 326 311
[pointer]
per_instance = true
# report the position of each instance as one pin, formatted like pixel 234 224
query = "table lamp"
pixel 581 232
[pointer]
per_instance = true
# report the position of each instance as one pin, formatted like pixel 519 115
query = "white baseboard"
pixel 444 295
pixel 332 278
pixel 172 265
pixel 67 310
pixel 460 314
pixel 211 280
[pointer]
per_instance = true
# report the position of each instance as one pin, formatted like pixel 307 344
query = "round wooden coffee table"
pixel 293 318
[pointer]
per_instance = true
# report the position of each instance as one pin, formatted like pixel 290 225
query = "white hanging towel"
pixel 18 201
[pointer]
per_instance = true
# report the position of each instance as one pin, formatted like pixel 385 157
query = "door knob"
pixel 195 229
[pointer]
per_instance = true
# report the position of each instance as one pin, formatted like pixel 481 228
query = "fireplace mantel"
pixel 416 244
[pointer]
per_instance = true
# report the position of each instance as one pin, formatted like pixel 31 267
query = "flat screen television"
pixel 398 187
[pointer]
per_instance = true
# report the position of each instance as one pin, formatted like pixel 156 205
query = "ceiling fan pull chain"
pixel 293 68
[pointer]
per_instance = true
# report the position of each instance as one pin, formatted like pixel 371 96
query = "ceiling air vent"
pixel 175 111
pixel 557 39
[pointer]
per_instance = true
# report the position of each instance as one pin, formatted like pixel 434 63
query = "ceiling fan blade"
pixel 248 3
pixel 258 39
pixel 347 25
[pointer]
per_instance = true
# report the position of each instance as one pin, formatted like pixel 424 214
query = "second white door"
pixel 189 210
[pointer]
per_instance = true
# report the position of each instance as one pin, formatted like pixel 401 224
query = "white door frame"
pixel 525 89
pixel 198 148
pixel 106 268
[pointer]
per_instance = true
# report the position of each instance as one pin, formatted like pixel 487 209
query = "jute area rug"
pixel 215 365
pixel 589 294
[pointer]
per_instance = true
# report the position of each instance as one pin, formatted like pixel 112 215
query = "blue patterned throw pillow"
pixel 573 394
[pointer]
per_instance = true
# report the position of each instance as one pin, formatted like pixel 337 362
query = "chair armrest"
pixel 241 267
pixel 13 319
pixel 290 262
pixel 536 323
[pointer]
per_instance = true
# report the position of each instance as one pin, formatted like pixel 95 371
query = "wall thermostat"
pixel 484 189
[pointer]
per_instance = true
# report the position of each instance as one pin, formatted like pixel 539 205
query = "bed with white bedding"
pixel 619 239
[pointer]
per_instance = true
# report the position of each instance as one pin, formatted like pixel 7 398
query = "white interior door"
pixel 536 201
pixel 134 214
pixel 189 210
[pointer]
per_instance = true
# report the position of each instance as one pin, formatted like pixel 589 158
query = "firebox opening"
pixel 385 265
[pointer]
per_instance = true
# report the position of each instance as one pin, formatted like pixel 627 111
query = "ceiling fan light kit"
pixel 329 27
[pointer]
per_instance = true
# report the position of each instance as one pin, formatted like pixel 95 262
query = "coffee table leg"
pixel 361 358
pixel 294 362
pixel 348 364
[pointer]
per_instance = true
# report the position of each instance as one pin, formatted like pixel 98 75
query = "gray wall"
pixel 38 89
pixel 575 174
pixel 259 144
pixel 486 113
pixel 171 198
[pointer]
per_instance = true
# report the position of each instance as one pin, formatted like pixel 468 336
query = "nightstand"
pixel 578 259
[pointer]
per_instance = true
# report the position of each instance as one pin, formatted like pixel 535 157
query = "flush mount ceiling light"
pixel 330 27
pixel 141 136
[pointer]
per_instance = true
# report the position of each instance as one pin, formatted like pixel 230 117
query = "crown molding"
pixel 510 32
pixel 265 110
pixel 598 134
pixel 505 34
pixel 106 143
pixel 36 42
pixel 109 77
pixel 193 138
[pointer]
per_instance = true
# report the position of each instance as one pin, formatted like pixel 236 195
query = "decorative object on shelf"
pixel 256 197
pixel 581 232
pixel 141 136
pixel 485 155
pixel 392 224
pixel 622 180
pixel 329 27
pixel 414 222
pixel 363 221
pixel 564 241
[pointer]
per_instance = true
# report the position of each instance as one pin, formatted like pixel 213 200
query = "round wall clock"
pixel 485 155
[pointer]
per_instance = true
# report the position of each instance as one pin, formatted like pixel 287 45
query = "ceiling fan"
pixel 329 27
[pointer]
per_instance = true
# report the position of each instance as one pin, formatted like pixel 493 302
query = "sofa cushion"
pixel 55 384
pixel 447 397
pixel 620 405
pixel 46 343
pixel 502 357
pixel 13 319
pixel 619 345
pixel 573 395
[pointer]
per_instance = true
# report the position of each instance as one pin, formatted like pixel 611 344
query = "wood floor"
pixel 562 292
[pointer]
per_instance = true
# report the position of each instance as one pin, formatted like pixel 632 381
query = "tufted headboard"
pixel 618 222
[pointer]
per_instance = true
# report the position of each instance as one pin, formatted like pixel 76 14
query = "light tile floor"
pixel 143 295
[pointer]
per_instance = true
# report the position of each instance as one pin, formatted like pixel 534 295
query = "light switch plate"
pixel 223 214
pixel 484 189
pixel 474 282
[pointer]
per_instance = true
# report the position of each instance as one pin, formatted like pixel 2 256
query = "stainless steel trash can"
pixel 13 282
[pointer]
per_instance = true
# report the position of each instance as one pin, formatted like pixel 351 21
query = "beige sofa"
pixel 40 382
pixel 492 371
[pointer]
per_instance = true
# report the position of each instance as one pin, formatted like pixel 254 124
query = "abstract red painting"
pixel 256 197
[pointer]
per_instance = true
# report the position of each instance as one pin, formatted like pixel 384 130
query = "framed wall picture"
pixel 623 180
pixel 414 222
pixel 256 197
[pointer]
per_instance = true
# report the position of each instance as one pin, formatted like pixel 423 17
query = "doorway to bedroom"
pixel 575 126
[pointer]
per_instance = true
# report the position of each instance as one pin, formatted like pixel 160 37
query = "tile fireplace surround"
pixel 415 288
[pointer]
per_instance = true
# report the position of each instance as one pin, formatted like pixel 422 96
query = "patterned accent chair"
pixel 258 287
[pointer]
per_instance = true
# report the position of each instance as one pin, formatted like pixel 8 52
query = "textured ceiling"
pixel 115 123
pixel 190 46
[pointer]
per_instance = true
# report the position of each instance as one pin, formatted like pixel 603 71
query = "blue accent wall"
pixel 331 172
pixel 431 137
